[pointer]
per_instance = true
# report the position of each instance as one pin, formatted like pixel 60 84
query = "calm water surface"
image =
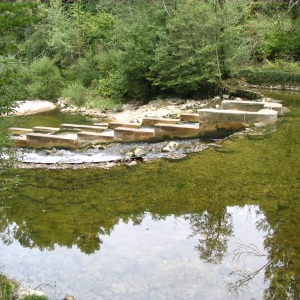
pixel 220 224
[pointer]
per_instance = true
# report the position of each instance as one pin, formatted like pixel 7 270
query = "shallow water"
pixel 51 118
pixel 165 229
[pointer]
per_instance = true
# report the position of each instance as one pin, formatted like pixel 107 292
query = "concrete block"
pixel 19 141
pixel 189 117
pixel 95 137
pixel 19 131
pixel 274 106
pixel 133 134
pixel 77 127
pixel 252 106
pixel 113 125
pixel 48 141
pixel 154 121
pixel 243 117
pixel 176 130
pixel 45 129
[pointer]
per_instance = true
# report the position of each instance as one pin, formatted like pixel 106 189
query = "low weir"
pixel 234 115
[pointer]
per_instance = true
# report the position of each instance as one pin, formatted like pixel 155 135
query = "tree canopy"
pixel 138 50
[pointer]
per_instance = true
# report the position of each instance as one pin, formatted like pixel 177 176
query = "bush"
pixel 84 70
pixel 76 92
pixel 35 297
pixel 7 287
pixel 271 77
pixel 45 81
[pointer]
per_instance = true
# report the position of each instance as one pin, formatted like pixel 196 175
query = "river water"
pixel 219 224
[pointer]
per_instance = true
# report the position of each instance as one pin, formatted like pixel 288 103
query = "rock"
pixel 22 293
pixel 138 152
pixel 130 163
pixel 69 298
pixel 175 155
pixel 170 147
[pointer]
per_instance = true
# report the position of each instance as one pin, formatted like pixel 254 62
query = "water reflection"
pixel 150 257
pixel 215 229
pixel 239 245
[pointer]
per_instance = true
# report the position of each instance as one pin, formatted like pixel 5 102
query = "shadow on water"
pixel 225 217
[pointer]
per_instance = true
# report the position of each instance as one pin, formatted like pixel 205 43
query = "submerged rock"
pixel 22 293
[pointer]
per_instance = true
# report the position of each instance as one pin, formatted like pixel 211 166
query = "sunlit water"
pixel 222 220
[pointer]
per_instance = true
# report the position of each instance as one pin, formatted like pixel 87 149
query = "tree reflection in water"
pixel 215 229
pixel 282 251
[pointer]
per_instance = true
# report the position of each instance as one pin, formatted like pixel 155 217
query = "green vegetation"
pixel 7 288
pixel 96 52
pixel 34 297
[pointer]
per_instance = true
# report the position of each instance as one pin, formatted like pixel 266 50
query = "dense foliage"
pixel 114 51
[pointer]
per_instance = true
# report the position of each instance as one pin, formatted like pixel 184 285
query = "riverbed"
pixel 219 224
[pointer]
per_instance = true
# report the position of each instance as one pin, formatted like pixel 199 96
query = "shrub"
pixel 271 77
pixel 110 86
pixel 35 297
pixel 76 92
pixel 84 70
pixel 45 79
pixel 7 287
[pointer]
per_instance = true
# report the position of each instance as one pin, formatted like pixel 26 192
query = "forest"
pixel 105 53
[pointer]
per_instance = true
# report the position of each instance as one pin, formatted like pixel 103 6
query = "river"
pixel 219 224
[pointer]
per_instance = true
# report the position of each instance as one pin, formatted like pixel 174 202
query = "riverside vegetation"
pixel 103 53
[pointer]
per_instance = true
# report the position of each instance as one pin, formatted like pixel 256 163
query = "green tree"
pixel 16 20
pixel 185 58
pixel 136 37
pixel 55 36
pixel 44 79
pixel 10 91
pixel 203 42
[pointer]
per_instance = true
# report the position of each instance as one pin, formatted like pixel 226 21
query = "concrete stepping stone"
pixel 153 121
pixel 95 137
pixel 77 127
pixel 133 134
pixel 176 130
pixel 113 125
pixel 252 106
pixel 192 117
pixel 19 131
pixel 45 129
pixel 42 140
pixel 19 141
pixel 238 116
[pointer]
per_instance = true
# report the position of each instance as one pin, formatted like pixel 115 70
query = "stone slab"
pixel 193 117
pixel 77 127
pixel 48 141
pixel 133 134
pixel 95 137
pixel 19 141
pixel 153 121
pixel 113 125
pixel 176 130
pixel 252 106
pixel 19 131
pixel 243 117
pixel 101 124
pixel 45 129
